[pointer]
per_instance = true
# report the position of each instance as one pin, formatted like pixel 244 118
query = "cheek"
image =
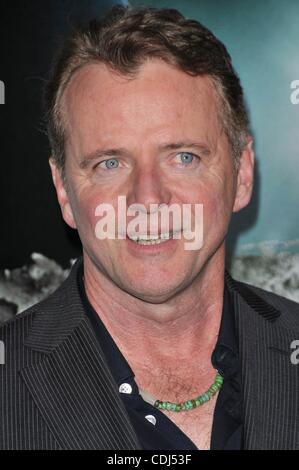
pixel 84 205
pixel 216 196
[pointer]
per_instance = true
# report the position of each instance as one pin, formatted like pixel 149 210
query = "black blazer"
pixel 56 391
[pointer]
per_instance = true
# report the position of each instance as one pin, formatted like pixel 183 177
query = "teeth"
pixel 148 237
pixel 166 236
pixel 133 238
pixel 151 239
pixel 150 242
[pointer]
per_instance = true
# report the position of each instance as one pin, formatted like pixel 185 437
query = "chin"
pixel 154 291
pixel 152 297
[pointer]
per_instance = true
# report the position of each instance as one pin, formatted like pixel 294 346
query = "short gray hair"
pixel 123 40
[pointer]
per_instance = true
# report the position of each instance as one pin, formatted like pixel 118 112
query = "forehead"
pixel 158 101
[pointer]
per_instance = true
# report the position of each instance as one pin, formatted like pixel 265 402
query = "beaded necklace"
pixel 186 405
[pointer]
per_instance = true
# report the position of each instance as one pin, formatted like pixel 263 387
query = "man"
pixel 149 345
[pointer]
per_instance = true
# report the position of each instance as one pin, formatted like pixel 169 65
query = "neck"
pixel 150 335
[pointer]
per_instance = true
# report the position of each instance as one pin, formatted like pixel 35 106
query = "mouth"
pixel 152 239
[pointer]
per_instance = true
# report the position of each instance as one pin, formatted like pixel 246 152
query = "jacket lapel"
pixel 78 398
pixel 70 381
pixel 270 380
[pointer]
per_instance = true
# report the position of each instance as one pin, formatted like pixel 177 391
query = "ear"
pixel 62 195
pixel 245 177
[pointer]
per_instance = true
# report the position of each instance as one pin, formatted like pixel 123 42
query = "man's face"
pixel 166 146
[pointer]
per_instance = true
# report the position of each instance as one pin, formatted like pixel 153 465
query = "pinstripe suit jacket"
pixel 58 393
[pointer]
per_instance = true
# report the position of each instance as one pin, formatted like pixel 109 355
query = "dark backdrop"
pixel 30 217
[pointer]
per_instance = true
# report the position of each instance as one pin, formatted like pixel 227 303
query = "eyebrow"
pixel 117 152
pixel 186 144
pixel 99 153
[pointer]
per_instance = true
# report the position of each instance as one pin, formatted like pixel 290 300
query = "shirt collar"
pixel 225 355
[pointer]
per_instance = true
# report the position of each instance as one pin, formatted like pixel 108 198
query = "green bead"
pixel 219 379
pixel 194 403
pixel 189 405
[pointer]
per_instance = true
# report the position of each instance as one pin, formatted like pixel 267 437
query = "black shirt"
pixel 153 428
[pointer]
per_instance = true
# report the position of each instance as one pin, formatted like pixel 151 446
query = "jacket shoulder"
pixel 28 315
pixel 272 297
pixel 288 308
pixel 21 318
pixel 52 314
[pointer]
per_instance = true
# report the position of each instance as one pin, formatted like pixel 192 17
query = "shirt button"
pixel 151 419
pixel 125 388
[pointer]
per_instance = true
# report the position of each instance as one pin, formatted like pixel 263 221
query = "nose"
pixel 148 187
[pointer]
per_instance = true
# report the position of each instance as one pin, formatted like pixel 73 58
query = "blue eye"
pixel 109 164
pixel 186 157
